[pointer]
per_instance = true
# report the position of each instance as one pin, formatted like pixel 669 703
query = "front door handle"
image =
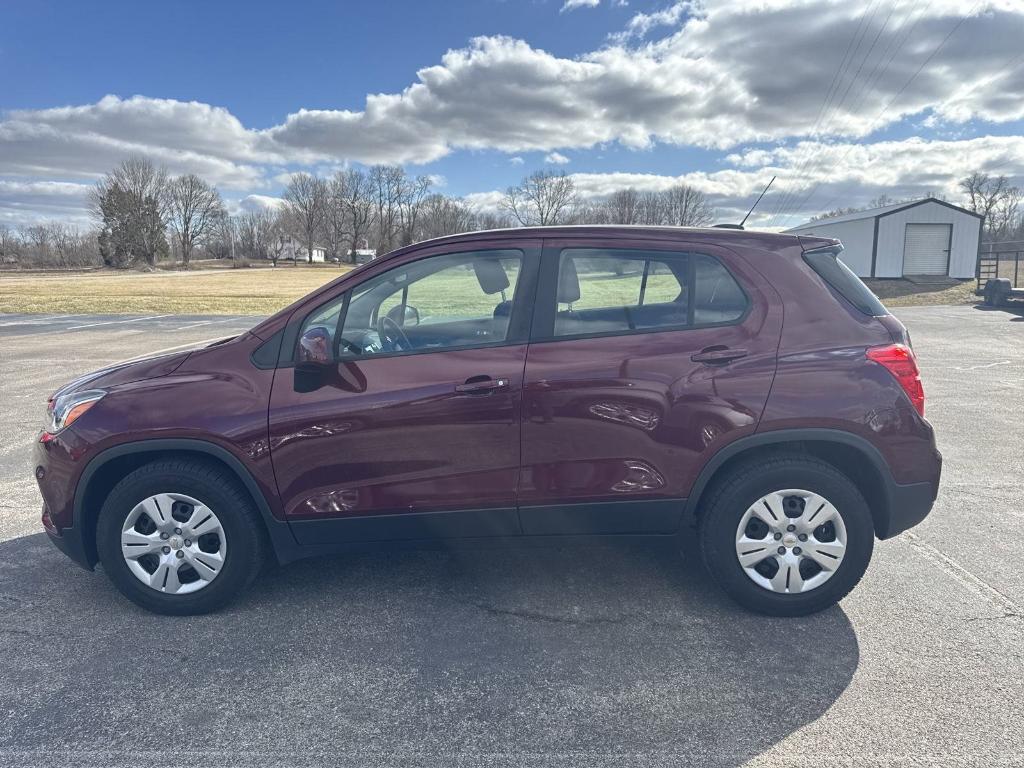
pixel 481 385
pixel 718 355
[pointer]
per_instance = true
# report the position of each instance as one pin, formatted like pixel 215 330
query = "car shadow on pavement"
pixel 588 656
pixel 1016 310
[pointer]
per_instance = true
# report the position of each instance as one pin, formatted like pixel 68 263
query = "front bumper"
pixel 70 542
pixel 57 466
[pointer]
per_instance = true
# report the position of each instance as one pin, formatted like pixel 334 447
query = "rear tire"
pixel 732 504
pixel 229 548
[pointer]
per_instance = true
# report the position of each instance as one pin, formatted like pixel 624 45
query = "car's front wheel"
pixel 179 537
pixel 786 536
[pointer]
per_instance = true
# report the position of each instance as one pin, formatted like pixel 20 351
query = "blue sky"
pixel 720 94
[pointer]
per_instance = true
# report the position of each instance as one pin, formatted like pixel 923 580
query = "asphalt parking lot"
pixel 540 657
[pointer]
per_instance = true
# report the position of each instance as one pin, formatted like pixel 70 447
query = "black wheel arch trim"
pixel 279 532
pixel 904 505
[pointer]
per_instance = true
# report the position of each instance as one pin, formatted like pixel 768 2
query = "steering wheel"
pixel 392 335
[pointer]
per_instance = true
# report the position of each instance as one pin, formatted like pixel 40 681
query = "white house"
pixel 922 237
pixel 296 249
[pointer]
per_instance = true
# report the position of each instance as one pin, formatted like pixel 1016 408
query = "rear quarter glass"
pixel 830 268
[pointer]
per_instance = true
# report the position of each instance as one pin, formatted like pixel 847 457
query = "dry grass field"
pixel 263 290
pixel 903 293
pixel 254 291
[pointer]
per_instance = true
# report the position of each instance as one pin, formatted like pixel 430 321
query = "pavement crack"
pixel 997 618
pixel 528 615
pixel 964 577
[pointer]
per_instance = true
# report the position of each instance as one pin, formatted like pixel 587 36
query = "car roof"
pixel 742 237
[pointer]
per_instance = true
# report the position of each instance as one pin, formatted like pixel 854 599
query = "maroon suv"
pixel 531 384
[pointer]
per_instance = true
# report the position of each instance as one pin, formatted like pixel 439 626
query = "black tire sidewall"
pixel 217 493
pixel 718 534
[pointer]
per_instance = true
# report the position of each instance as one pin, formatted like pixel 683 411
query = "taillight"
pixel 899 360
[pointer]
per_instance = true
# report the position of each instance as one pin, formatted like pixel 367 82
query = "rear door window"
pixel 619 291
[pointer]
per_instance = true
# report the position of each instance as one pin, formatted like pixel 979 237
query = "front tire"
pixel 180 537
pixel 786 536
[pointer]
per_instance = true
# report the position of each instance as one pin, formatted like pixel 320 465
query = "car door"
pixel 410 428
pixel 647 357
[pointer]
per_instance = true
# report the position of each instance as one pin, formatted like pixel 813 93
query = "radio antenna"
pixel 756 202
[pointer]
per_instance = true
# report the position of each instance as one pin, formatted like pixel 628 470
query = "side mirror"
pixel 312 359
pixel 314 347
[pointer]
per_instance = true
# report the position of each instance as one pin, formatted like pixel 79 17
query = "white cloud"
pixel 719 74
pixel 259 203
pixel 841 174
pixel 571 5
pixel 556 158
pixel 516 160
pixel 642 23
pixel 28 202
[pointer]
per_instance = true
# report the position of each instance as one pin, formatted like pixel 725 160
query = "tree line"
pixel 144 216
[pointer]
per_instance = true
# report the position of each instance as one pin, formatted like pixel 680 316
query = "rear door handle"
pixel 481 385
pixel 718 355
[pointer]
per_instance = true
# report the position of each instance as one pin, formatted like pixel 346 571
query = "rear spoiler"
pixel 820 244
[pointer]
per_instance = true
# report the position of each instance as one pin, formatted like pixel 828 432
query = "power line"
pixel 877 72
pixel 892 101
pixel 1010 64
pixel 829 98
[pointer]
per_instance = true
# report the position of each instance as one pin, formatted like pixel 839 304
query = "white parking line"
pixel 979 367
pixel 116 322
pixel 32 320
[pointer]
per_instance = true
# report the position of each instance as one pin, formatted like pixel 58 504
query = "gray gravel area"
pixel 561 657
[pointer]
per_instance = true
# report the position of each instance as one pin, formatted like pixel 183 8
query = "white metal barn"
pixel 924 237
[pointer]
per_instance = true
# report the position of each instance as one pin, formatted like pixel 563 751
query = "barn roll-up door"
pixel 926 249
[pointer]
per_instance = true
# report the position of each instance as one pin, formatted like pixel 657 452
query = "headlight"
pixel 65 409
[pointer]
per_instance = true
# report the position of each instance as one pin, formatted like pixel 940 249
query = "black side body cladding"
pixel 904 506
pixel 280 535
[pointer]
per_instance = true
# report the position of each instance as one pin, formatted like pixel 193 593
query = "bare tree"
pixel 335 220
pixel 9 242
pixel 255 232
pixel 440 215
pixel 491 220
pixel 686 207
pixel 37 238
pixel 542 198
pixel 353 191
pixel 621 207
pixel 410 203
pixel 307 197
pixel 984 195
pixel 1005 218
pixel 194 208
pixel 131 204
pixel 389 184
pixel 277 236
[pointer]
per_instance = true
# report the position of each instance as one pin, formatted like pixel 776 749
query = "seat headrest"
pixel 491 275
pixel 568 282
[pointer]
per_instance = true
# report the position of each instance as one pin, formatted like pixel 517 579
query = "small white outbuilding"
pixel 922 237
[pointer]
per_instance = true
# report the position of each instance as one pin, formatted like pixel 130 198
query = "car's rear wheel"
pixel 179 537
pixel 786 536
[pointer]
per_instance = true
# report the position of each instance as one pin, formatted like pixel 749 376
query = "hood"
pixel 138 368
